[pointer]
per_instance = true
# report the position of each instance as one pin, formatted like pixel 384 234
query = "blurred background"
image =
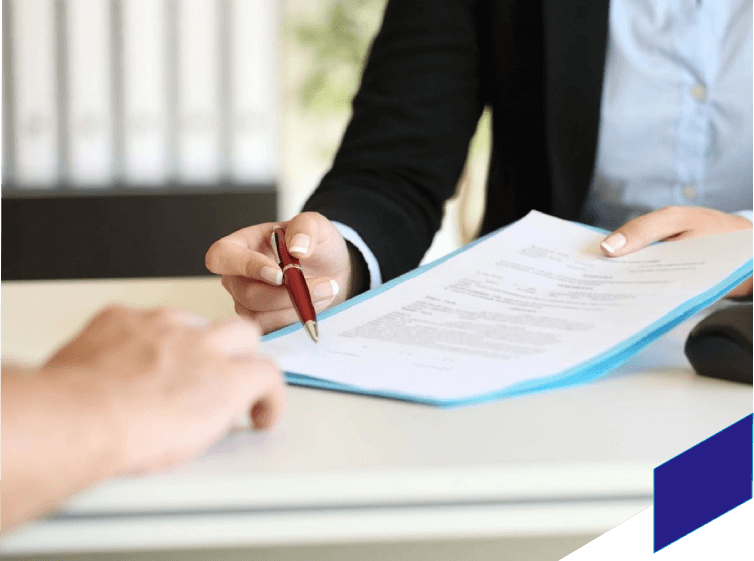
pixel 324 48
pixel 136 132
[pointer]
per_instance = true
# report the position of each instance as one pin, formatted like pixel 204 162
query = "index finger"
pixel 225 257
pixel 235 337
pixel 645 230
pixel 245 252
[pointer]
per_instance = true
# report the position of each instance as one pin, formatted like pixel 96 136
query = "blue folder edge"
pixel 592 369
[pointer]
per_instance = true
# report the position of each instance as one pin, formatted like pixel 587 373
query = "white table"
pixel 346 468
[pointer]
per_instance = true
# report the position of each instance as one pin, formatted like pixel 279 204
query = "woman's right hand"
pixel 254 280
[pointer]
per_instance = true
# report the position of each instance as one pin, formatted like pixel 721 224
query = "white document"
pixel 533 301
pixel 90 107
pixel 145 94
pixel 34 91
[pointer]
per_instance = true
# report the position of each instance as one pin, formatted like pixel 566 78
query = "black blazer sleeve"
pixel 413 116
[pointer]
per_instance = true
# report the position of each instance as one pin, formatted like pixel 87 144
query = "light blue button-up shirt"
pixel 676 116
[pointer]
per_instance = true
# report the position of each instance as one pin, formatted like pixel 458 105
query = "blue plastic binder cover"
pixel 592 369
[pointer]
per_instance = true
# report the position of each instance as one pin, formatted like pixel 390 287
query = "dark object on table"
pixel 720 345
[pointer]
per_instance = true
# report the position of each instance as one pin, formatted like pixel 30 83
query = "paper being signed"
pixel 533 301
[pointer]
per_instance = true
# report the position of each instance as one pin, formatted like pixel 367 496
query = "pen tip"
pixel 311 327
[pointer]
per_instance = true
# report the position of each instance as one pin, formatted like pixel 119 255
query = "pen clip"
pixel 274 244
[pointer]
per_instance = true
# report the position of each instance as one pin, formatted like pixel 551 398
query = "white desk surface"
pixel 345 468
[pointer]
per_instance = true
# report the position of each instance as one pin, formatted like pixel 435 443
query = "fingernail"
pixel 193 320
pixel 273 276
pixel 242 423
pixel 260 415
pixel 325 290
pixel 299 244
pixel 614 242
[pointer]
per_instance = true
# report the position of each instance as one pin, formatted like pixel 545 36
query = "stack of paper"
pixel 534 306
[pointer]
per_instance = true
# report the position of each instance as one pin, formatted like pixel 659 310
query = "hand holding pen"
pixel 255 280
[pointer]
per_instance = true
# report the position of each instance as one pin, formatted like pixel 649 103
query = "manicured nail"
pixel 299 244
pixel 614 242
pixel 325 290
pixel 273 276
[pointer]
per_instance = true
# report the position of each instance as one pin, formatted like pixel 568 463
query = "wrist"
pixel 81 398
pixel 359 277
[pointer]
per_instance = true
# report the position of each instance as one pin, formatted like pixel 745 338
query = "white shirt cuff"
pixel 375 277
pixel 745 213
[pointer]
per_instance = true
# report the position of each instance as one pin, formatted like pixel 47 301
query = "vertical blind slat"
pixel 139 93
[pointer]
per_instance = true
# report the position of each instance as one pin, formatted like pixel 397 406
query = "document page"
pixel 532 301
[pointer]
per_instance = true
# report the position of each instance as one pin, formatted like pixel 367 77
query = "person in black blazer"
pixel 432 69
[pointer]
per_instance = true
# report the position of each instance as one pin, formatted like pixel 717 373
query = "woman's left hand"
pixel 674 223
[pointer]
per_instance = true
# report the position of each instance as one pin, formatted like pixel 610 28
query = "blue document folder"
pixel 586 371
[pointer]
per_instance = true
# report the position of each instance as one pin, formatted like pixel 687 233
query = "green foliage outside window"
pixel 337 45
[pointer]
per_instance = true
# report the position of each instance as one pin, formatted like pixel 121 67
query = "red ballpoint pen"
pixel 293 278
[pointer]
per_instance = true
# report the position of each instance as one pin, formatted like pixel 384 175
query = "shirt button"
pixel 698 92
pixel 689 192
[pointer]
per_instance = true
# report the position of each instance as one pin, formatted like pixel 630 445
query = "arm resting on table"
pixel 55 442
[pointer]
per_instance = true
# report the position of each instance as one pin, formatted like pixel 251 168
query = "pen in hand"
pixel 293 278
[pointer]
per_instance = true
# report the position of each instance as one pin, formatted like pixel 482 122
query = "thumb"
pixel 743 289
pixel 643 231
pixel 305 232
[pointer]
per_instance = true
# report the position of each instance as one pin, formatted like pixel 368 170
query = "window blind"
pixel 143 94
pixel 135 133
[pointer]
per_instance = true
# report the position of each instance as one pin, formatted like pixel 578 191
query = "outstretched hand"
pixel 671 224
